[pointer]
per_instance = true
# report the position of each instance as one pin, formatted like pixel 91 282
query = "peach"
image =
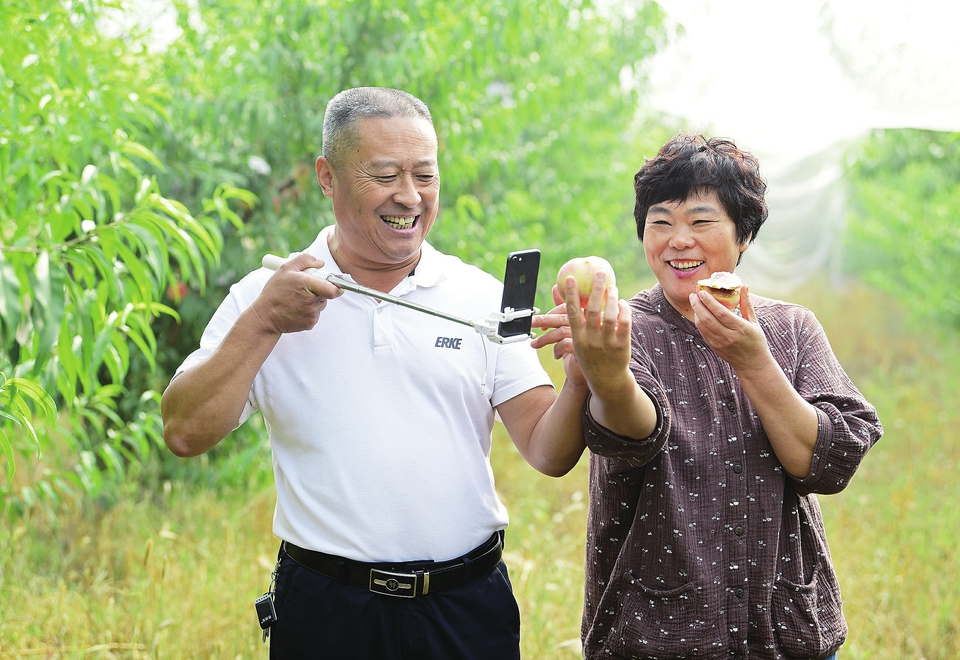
pixel 583 270
pixel 723 286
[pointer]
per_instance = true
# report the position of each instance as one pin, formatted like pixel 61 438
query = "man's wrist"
pixel 260 325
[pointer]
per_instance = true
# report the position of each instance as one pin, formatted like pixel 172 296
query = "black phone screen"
pixel 520 290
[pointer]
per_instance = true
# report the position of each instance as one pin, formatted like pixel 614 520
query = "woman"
pixel 710 434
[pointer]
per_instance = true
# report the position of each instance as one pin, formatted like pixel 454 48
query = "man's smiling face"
pixel 385 193
pixel 688 241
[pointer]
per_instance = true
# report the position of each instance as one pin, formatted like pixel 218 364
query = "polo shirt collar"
pixel 429 269
pixel 428 272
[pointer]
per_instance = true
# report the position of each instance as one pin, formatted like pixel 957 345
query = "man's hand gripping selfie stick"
pixel 487 327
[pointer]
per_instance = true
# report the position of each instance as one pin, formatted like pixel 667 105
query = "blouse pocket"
pixel 807 619
pixel 656 624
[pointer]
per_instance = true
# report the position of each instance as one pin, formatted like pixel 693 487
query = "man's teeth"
pixel 685 265
pixel 399 223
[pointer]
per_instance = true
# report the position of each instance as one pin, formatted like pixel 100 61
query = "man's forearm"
pixel 203 404
pixel 545 427
pixel 557 440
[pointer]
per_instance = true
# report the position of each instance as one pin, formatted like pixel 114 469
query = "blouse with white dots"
pixel 699 545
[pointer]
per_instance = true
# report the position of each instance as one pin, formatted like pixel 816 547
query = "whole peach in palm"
pixel 583 270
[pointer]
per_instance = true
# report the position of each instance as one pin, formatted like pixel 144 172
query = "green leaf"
pixel 10 305
pixel 35 393
pixel 47 286
pixel 69 364
pixel 138 331
pixel 198 232
pixel 134 266
pixel 117 357
pixel 88 174
pixel 94 256
pixel 112 460
pixel 23 414
pixel 53 174
pixel 136 149
pixel 8 455
pixel 102 345
pixel 109 185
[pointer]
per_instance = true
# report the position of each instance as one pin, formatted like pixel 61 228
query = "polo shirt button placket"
pixel 383 327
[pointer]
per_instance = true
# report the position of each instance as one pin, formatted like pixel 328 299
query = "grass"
pixel 173 574
pixel 894 531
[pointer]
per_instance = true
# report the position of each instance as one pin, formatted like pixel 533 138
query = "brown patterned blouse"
pixel 699 545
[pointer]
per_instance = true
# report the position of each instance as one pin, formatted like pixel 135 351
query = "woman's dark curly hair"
pixel 690 164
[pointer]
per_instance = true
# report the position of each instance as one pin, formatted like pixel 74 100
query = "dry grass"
pixel 173 574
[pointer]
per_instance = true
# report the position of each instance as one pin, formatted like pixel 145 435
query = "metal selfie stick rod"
pixel 487 327
pixel 273 262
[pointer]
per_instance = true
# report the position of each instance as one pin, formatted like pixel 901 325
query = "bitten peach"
pixel 723 286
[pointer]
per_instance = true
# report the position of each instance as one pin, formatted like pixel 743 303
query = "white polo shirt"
pixel 380 417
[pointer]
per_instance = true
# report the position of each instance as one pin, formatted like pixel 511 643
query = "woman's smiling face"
pixel 687 241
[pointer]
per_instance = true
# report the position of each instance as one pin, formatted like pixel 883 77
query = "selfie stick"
pixel 488 327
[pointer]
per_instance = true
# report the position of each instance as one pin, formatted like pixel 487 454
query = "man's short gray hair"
pixel 350 106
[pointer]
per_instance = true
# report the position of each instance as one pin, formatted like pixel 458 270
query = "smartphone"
pixel 519 290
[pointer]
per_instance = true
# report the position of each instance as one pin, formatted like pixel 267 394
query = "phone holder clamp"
pixel 490 325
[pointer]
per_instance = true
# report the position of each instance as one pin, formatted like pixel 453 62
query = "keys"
pixel 266 612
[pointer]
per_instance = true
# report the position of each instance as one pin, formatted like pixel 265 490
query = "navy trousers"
pixel 322 617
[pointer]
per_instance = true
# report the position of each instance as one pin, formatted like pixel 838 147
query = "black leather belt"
pixel 407 579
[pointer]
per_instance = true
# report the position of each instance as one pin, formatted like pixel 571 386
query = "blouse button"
pixel 739 593
pixel 738 530
pixel 737 468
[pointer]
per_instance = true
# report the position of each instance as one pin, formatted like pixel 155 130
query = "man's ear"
pixel 325 176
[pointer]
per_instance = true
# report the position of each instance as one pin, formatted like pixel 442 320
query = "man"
pixel 380 430
pixel 710 433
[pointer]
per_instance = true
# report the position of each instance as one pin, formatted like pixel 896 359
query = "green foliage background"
pixel 139 183
pixel 88 244
pixel 905 219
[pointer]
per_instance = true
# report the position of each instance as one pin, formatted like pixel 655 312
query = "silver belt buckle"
pixel 401 585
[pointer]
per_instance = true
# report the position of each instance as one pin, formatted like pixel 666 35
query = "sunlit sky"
pixel 810 71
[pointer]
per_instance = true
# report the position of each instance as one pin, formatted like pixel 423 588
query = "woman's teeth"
pixel 685 265
pixel 399 223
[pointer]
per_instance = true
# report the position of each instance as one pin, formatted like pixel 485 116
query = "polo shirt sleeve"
pixel 518 369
